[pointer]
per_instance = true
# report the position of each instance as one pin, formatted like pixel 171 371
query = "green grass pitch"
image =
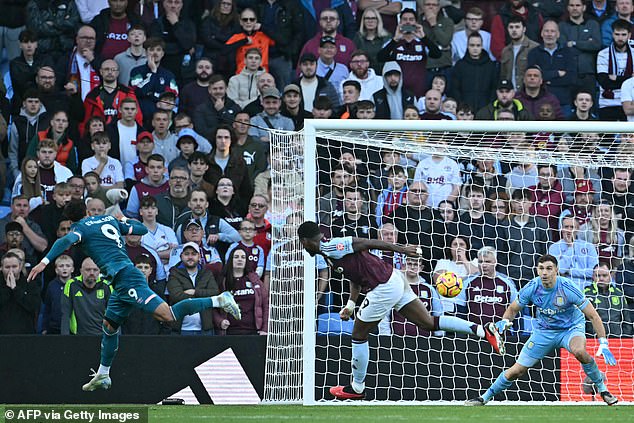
pixel 389 414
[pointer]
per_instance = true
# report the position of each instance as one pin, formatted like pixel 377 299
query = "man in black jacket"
pixel 390 101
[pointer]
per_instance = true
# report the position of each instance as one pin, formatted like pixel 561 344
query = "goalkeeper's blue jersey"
pixel 100 239
pixel 558 308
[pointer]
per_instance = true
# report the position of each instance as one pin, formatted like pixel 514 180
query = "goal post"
pixel 307 352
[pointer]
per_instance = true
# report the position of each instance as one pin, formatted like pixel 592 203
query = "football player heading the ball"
pixel 386 288
pixel 561 312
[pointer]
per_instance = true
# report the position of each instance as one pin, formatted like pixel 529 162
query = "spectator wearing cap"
pixel 534 93
pixel 217 109
pixel 361 72
pixel 134 172
pixel 250 37
pixel 243 88
pixel 312 85
pixel 411 48
pixel 505 101
pixel 14 237
pixel 328 23
pixel 474 76
pixel 34 241
pixel 188 279
pixel 183 121
pixel 209 256
pixel 270 118
pixel 153 184
pixel 327 67
pixel 253 151
pixel 186 144
pixel 292 106
pixel 391 100
pixel 557 64
pixel 514 56
pixel 583 35
pixel 164 139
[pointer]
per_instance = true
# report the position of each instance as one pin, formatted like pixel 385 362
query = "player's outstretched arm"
pixel 362 244
pixel 61 245
pixel 508 316
pixel 597 324
pixel 130 226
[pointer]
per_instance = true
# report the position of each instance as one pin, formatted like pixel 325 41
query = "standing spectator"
pixel 250 293
pixel 557 65
pixel 190 280
pixel 577 258
pixel 388 11
pixel 393 196
pixel 52 303
pixel 526 12
pixel 514 56
pixel 164 139
pixel 609 302
pixel 600 10
pixel 215 30
pixel 152 79
pixel 270 118
pixel 292 106
pixel 125 132
pixel 139 322
pixel 473 21
pixel 439 29
pixel 55 23
pixel 225 162
pixel 209 256
pixel 14 235
pixel 49 215
pixel 622 11
pixel 614 67
pixel 51 171
pixel 28 183
pixel 172 203
pixel 603 231
pixel 355 220
pixel 264 82
pixel 109 169
pixel 617 192
pixel 111 26
pixel 215 110
pixel 475 224
pixel 196 92
pixel 258 210
pixel 441 174
pixel 227 205
pixel 457 258
pixel 583 35
pixel 361 72
pixel 23 68
pixel 84 301
pixel 329 22
pixel 134 56
pixel 183 122
pixel 160 238
pixel 534 93
pixel 198 166
pixel 392 100
pixel 19 299
pixel 179 34
pixel 253 151
pixel 255 253
pixel 474 76
pixel 283 22
pixel 242 87
pixel 312 86
pixel 106 99
pixel 433 105
pixel 250 37
pixel 410 48
pixel 487 294
pixel 78 69
pixel 327 67
pixel 88 9
pixel 331 203
pixel 372 37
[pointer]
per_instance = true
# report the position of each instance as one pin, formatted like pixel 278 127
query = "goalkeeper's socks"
pixel 103 370
pixel 360 357
pixel 593 372
pixel 109 347
pixel 455 324
pixel 500 384
pixel 191 306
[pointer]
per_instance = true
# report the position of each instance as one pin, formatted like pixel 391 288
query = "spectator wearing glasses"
pixel 250 37
pixel 172 203
pixel 258 208
pixel 254 253
pixel 361 72
pixel 371 37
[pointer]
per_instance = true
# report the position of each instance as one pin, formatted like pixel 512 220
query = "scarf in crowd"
pixel 74 74
pixel 393 200
pixel 613 68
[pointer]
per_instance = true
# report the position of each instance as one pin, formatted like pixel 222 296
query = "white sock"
pixel 215 301
pixel 358 387
pixel 480 332
pixel 103 370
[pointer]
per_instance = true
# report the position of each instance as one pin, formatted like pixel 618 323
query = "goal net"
pixel 483 200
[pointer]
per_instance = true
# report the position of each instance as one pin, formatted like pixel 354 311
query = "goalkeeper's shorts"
pixel 542 342
pixel 394 294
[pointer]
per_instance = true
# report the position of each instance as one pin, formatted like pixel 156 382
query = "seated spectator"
pixel 577 258
pixel 250 294
pixel 216 109
pixel 292 106
pixel 198 165
pixel 109 170
pixel 331 203
pixel 355 220
pixel 327 67
pixel 124 132
pixel 487 174
pixel 254 152
pixel 164 139
pixel 248 38
pixel 314 87
pixel 351 90
pixel 258 208
pixel 449 107
pixel 58 132
pixel 134 248
pixel 522 175
pixel 182 122
pixel 486 295
pixel 427 295
pixel 464 112
pixel 23 69
pixel 52 302
pixel 34 241
pixel 534 93
pixel 21 299
pixel 588 180
pixel 458 258
pixel 160 238
pixel 48 215
pixel 474 77
pixel 209 256
pixel 505 100
pixel 189 280
pixel 433 104
pixel 242 88
pixel 51 172
pixel 439 28
pixel 388 233
pixel 134 56
pixel 139 322
pixel 372 36
pixel 94 188
pixel 514 11
pixel 14 235
pixel 84 301
pixel 623 10
pixel 226 204
pixel 93 125
pixel 152 79
pixel 605 234
pixel 609 302
pixel 393 196
pixel 270 117
pixel 173 202
pixel 255 254
pixel 187 145
pixel 548 197
pixel 360 71
pixel 583 103
pixel 475 224
pixel 215 30
pixel 29 184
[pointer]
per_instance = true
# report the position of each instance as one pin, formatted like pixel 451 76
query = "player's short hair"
pixel 547 258
pixel 47 143
pixel 63 257
pixel 75 210
pixel 308 230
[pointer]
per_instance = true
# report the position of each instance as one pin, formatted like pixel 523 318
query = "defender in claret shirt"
pixel 386 289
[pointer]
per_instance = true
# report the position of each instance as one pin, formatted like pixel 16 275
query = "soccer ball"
pixel 448 284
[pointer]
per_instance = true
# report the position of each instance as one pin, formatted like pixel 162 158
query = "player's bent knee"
pixel 163 313
pixel 109 328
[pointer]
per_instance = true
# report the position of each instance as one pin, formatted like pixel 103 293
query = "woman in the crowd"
pixel 29 184
pixel 604 233
pixel 214 32
pixel 372 37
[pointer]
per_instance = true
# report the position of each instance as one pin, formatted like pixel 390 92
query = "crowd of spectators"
pixel 161 109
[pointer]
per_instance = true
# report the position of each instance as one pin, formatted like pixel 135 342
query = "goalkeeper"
pixel 561 312
pixel 386 288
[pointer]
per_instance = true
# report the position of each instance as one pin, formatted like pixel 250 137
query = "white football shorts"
pixel 394 294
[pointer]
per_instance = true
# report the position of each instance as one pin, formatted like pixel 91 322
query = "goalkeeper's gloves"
pixel 503 325
pixel 347 311
pixel 605 352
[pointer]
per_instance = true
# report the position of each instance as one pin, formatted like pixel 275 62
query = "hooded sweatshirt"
pixel 394 97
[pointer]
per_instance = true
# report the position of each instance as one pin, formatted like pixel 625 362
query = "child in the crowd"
pixel 51 305
pixel 255 253
pixel 94 188
pixel 139 322
pixel 109 169
pixel 187 144
pixel 243 87
pixel 393 196
pixel 449 107
pixel 144 146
